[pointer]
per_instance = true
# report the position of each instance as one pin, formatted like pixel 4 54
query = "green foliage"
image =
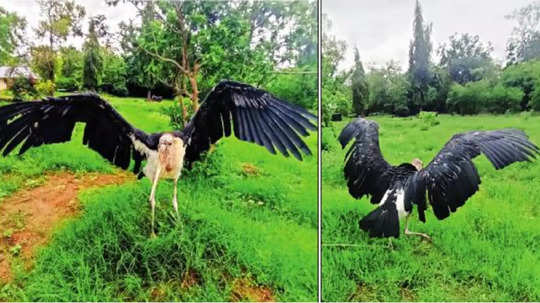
pixel 71 62
pixel 481 96
pixel 429 119
pixel 466 58
pixel 359 85
pixel 388 90
pixel 479 253
pixel 524 43
pixel 419 72
pixel 114 74
pixel 23 89
pixel 44 62
pixel 93 60
pixel 12 29
pixel 329 141
pixel 296 85
pixel 45 88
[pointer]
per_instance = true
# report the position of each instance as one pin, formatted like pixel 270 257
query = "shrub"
pixel 175 114
pixel 45 88
pixel 501 99
pixel 23 89
pixel 429 119
pixel 69 84
pixel 535 98
pixel 328 139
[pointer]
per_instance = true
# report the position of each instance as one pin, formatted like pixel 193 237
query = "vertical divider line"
pixel 319 136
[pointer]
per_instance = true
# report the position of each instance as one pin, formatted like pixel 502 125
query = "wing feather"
pixel 451 177
pixel 366 170
pixel 52 120
pixel 257 117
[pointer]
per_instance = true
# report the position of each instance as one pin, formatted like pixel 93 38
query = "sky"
pixel 30 10
pixel 382 29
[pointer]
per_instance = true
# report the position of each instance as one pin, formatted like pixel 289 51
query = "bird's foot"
pixel 153 235
pixel 421 235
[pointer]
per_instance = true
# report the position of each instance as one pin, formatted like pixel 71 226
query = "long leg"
pixel 174 201
pixel 153 196
pixel 412 233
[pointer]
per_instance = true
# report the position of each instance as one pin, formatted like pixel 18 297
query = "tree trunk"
pixel 149 95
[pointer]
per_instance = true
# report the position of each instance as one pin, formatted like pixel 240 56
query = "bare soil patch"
pixel 28 217
pixel 245 290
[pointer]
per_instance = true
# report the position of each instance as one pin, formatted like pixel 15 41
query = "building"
pixel 8 74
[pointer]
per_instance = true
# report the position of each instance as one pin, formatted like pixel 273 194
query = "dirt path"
pixel 29 215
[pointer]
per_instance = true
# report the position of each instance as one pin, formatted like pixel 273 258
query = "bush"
pixel 175 114
pixel 69 84
pixel 535 98
pixel 501 99
pixel 429 119
pixel 46 88
pixel 23 89
pixel 329 141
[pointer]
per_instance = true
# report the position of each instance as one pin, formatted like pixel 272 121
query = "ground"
pixel 243 233
pixel 487 251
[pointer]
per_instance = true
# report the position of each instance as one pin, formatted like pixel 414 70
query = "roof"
pixel 16 71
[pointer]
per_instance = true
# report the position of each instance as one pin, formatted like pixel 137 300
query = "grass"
pixel 487 251
pixel 244 215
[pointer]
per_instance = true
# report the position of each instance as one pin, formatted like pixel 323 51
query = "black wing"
pixel 366 171
pixel 52 121
pixel 451 177
pixel 257 117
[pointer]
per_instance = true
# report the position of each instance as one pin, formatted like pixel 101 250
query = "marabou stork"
pixel 256 116
pixel 449 179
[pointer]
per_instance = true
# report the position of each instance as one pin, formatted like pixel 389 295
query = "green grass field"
pixel 246 215
pixel 489 250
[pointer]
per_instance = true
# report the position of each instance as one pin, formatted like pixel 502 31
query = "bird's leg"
pixel 153 197
pixel 174 201
pixel 412 233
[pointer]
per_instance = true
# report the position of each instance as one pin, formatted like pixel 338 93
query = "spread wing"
pixel 451 177
pixel 366 171
pixel 52 121
pixel 256 116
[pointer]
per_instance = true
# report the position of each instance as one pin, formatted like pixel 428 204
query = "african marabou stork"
pixel 449 179
pixel 256 116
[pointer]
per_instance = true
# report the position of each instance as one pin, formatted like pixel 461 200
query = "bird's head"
pixel 417 163
pixel 166 141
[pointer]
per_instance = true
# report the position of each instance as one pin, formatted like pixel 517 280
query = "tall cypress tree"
pixel 419 59
pixel 93 62
pixel 359 85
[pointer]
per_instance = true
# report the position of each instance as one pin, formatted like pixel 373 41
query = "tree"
pixel 44 61
pixel 93 62
pixel 71 66
pixel 12 29
pixel 524 43
pixel 335 93
pixel 61 18
pixel 359 85
pixel 419 59
pixel 466 58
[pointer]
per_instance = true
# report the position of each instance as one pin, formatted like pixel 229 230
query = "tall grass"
pixel 487 251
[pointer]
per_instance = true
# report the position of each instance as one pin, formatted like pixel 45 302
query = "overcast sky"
pixel 382 29
pixel 30 10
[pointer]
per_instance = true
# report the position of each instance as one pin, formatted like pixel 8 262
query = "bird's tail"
pixel 382 222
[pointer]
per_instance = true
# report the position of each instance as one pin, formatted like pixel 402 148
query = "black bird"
pixel 256 116
pixel 449 179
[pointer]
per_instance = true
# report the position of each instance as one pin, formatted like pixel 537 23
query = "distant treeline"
pixel 465 80
pixel 170 49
